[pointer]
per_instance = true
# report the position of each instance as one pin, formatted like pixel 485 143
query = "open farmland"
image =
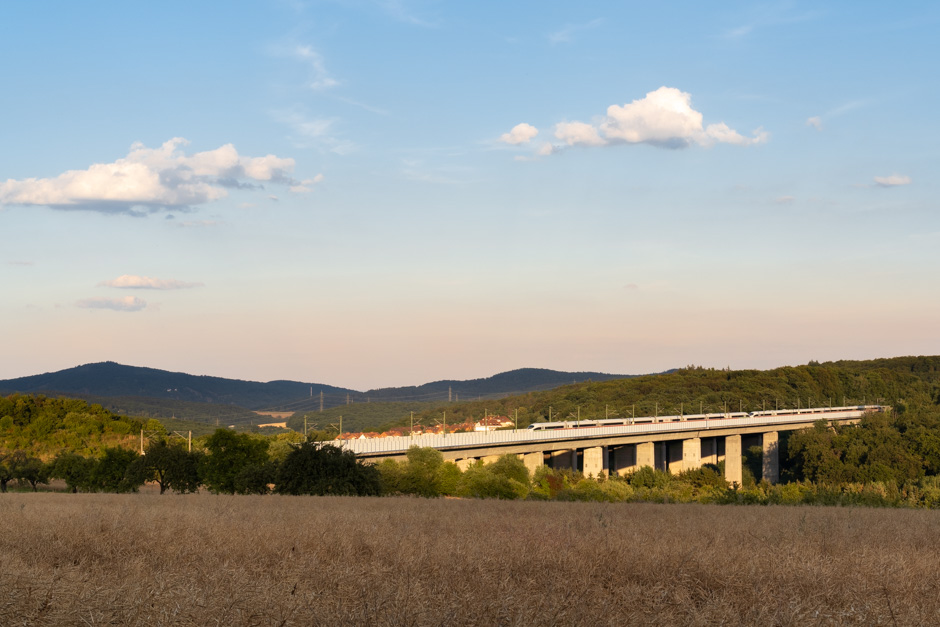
pixel 143 559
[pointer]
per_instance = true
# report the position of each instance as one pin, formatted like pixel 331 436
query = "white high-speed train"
pixel 618 422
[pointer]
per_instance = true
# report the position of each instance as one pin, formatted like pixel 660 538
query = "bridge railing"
pixel 400 444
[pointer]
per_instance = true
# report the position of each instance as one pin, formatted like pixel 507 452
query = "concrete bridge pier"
pixel 733 467
pixel 691 454
pixel 771 466
pixel 533 461
pixel 463 464
pixel 646 455
pixel 595 461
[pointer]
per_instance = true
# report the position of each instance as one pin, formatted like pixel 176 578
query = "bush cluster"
pixel 226 463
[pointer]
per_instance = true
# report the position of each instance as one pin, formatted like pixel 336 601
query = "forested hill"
pixel 111 380
pixel 506 383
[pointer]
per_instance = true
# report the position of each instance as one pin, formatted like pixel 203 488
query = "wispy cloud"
pixel 404 12
pixel 150 179
pixel 568 31
pixel 134 282
pixel 21 263
pixel 363 106
pixel 307 184
pixel 815 122
pixel 765 16
pixel 894 180
pixel 320 78
pixel 128 303
pixel 317 131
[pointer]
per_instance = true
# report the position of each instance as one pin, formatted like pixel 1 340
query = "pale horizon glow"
pixel 345 194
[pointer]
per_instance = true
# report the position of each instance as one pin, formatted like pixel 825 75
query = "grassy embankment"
pixel 203 559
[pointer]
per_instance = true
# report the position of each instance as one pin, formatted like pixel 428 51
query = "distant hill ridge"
pixel 110 379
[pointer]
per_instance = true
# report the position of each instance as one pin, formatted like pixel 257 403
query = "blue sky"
pixel 371 194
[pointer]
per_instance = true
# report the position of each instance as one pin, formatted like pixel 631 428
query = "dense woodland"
pixel 887 459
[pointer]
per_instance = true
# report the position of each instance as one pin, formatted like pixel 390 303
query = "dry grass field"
pixel 90 559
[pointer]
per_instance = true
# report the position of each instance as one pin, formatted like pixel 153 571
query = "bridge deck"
pixel 398 445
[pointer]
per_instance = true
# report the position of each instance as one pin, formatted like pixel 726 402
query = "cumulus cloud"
pixel 578 133
pixel 130 281
pixel 150 179
pixel 892 181
pixel 128 303
pixel 520 134
pixel 815 122
pixel 663 118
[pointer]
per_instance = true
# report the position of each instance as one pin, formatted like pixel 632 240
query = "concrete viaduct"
pixel 669 443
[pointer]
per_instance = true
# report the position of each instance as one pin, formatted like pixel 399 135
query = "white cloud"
pixel 578 133
pixel 784 200
pixel 520 134
pixel 321 78
pixel 892 181
pixel 307 184
pixel 663 118
pixel 128 303
pixel 545 149
pixel 130 281
pixel 721 133
pixel 815 122
pixel 152 179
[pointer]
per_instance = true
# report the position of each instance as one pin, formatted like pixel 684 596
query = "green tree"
pixel 229 453
pixel 110 472
pixel 6 471
pixel 28 469
pixel 321 469
pixel 170 466
pixel 256 478
pixel 74 469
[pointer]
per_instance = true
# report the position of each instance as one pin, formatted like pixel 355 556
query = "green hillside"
pixel 358 416
pixel 43 426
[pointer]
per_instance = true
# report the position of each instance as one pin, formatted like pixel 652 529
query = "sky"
pixel 371 194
